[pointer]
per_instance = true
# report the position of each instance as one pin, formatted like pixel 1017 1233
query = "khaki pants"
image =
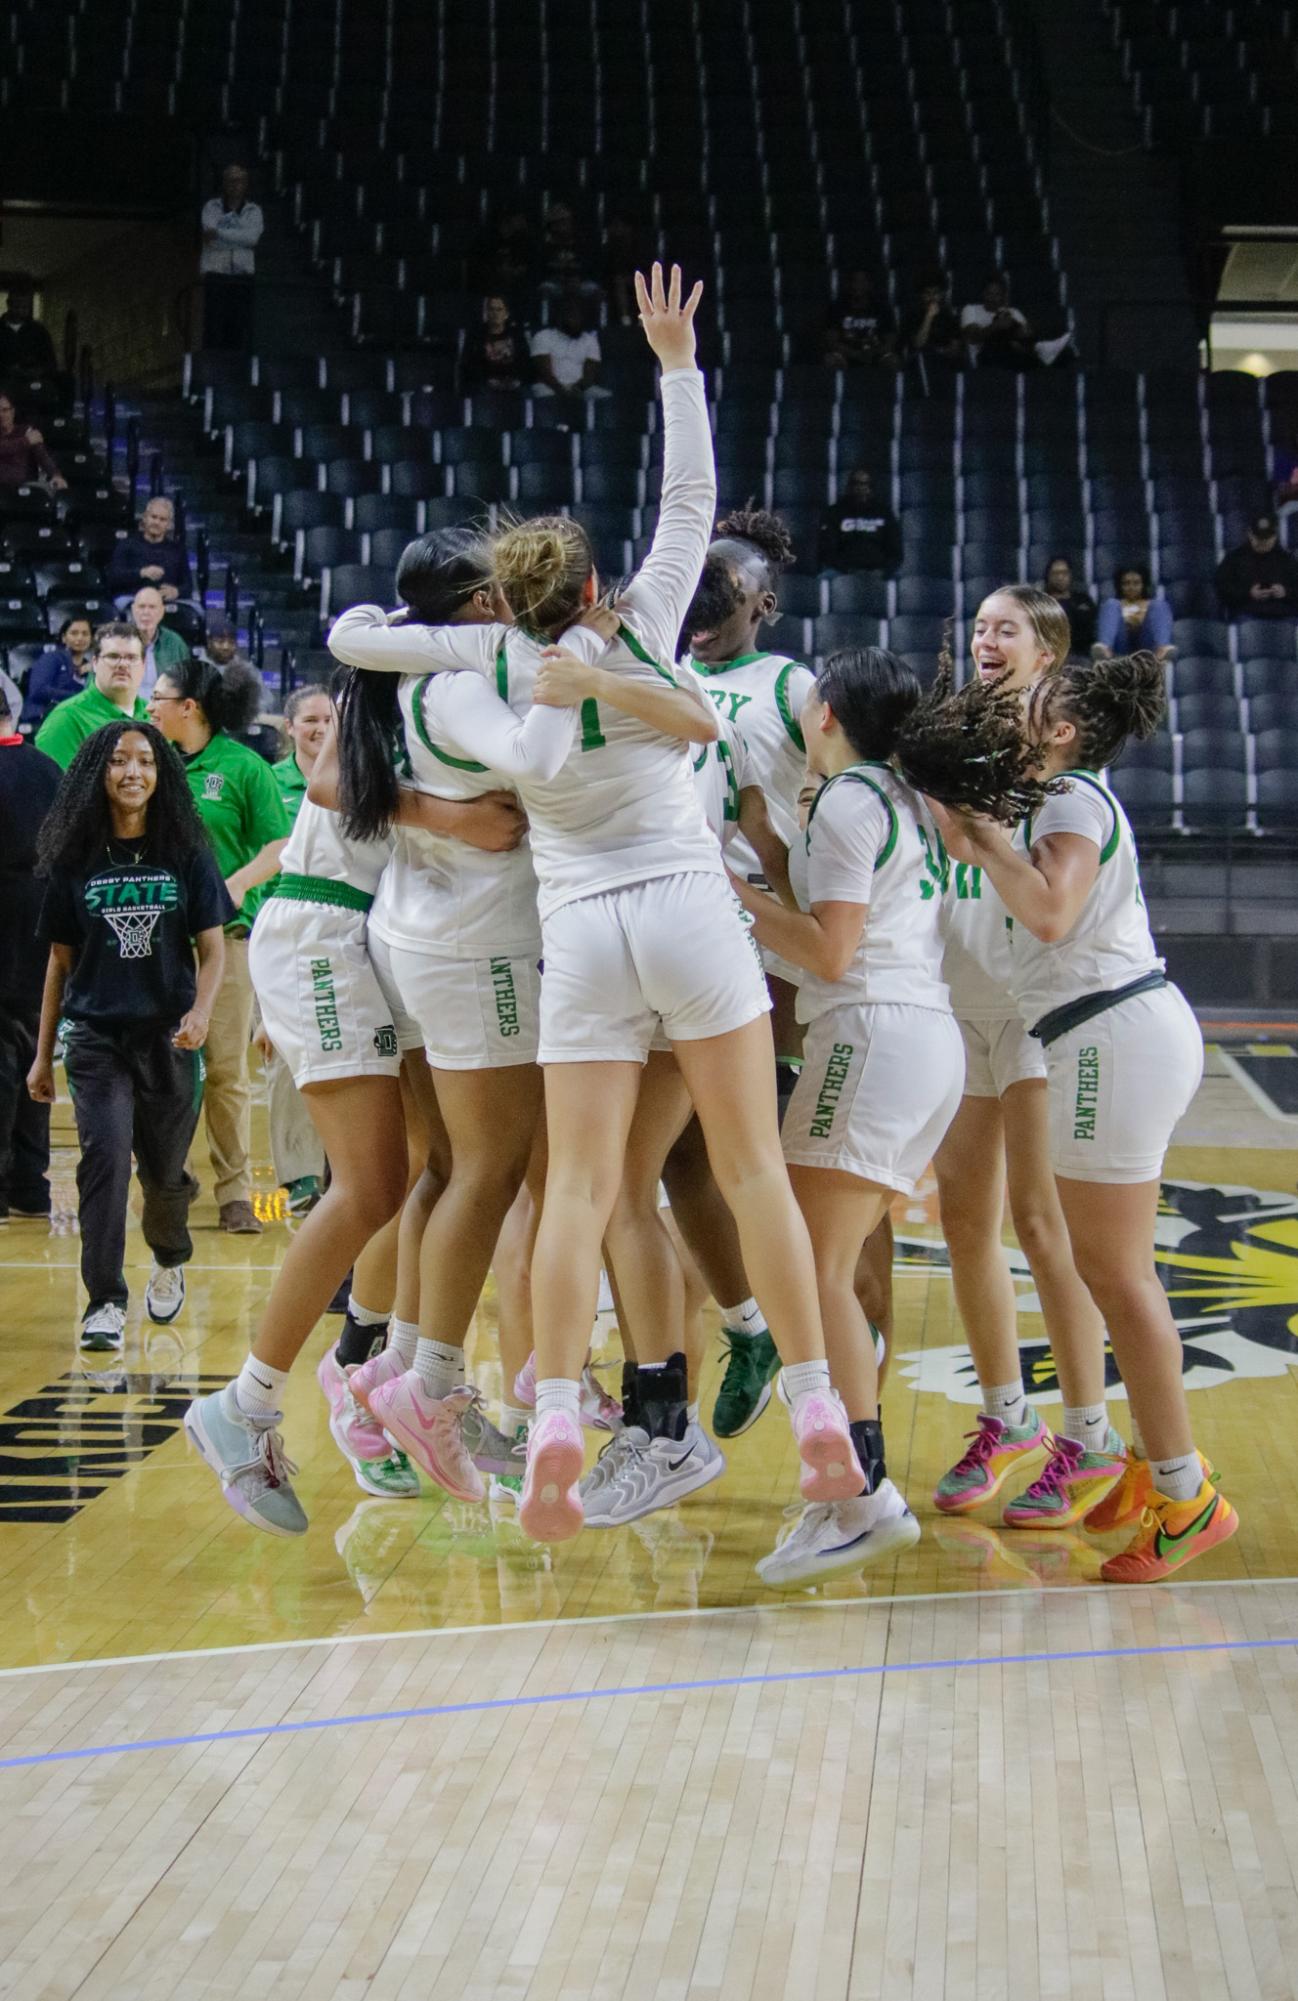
pixel 294 1142
pixel 227 1099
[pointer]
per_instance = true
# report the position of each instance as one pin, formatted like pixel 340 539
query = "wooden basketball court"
pixel 415 1755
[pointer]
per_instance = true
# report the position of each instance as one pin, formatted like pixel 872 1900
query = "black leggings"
pixel 131 1091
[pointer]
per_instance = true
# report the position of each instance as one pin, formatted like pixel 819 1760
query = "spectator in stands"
pixel 999 336
pixel 232 227
pixel 111 693
pixel 495 353
pixel 24 460
pixel 221 645
pixel 859 332
pixel 858 532
pixel 625 253
pixel 151 556
pixel 566 357
pixel 26 347
pixel 565 266
pixel 930 331
pixel 1077 604
pixel 61 672
pixel 1134 619
pixel 28 783
pixel 1259 579
pixel 163 648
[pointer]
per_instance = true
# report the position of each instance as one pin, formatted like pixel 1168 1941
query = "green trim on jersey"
pixel 725 666
pixel 421 727
pixel 1110 848
pixel 320 889
pixel 854 771
pixel 787 717
pixel 502 673
pixel 642 654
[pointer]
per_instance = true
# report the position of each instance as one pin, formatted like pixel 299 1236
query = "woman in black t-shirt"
pixel 132 892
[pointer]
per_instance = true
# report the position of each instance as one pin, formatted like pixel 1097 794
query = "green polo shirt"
pixel 69 723
pixel 239 802
pixel 287 774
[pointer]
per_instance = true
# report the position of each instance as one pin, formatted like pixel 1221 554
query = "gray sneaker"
pixel 609 1464
pixel 654 1473
pixel 249 1457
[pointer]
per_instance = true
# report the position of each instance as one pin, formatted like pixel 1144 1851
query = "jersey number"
pixel 592 736
pixel 934 880
pixel 968 882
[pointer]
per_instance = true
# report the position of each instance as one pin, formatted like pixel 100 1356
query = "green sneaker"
pixel 505 1486
pixel 303 1194
pixel 752 1363
pixel 392 1479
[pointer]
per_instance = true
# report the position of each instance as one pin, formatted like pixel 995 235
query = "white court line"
pixel 1024 1591
pixel 1256 1092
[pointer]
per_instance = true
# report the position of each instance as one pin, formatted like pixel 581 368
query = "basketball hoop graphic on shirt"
pixel 133 930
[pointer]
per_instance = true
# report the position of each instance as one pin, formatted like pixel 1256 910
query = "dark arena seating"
pixel 776 151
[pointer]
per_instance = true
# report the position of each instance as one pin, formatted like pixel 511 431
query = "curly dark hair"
pixel 768 534
pixel 79 825
pixel 967 750
pixel 230 699
pixel 1108 702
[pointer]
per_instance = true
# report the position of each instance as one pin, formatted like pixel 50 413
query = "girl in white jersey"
pixel 999 1141
pixel 1123 1059
pixel 638 928
pixel 325 1012
pixel 883 1066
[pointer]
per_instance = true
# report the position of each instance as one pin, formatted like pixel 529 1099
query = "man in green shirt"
pixel 163 648
pixel 112 692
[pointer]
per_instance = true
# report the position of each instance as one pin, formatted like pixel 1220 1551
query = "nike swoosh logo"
pixel 257 1379
pixel 674 1465
pixel 1169 1542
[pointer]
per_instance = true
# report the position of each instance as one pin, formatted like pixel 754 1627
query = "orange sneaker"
pixel 1172 1534
pixel 1124 1503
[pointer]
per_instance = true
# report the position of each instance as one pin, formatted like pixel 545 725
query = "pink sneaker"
pixel 354 1431
pixel 381 1368
pixel 831 1470
pixel 525 1384
pixel 550 1509
pixel 428 1428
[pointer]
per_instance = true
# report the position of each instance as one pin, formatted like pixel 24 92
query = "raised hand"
pixel 668 325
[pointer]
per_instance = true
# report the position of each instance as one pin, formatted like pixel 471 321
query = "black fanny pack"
pixel 1060 1019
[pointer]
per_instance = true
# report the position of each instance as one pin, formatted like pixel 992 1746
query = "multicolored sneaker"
pixel 1127 1502
pixel 508 1486
pixel 996 1451
pixel 752 1364
pixel 831 1470
pixel 1172 1534
pixel 431 1430
pixel 353 1428
pixel 391 1479
pixel 384 1367
pixel 1072 1482
pixel 247 1454
pixel 549 1509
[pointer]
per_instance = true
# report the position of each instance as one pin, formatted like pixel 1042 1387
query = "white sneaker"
pixel 104 1328
pixel 606 1468
pixel 165 1294
pixel 840 1535
pixel 654 1473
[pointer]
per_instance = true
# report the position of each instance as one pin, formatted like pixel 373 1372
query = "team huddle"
pixel 587 958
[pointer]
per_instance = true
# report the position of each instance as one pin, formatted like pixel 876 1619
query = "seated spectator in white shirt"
pixel 232 227
pixel 567 355
pixel 999 336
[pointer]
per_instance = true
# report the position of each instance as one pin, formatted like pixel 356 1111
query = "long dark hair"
pixel 1107 701
pixel 967 750
pixel 438 574
pixel 229 701
pixel 79 824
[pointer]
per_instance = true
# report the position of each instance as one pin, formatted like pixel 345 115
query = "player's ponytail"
pixel 541 569
pixel 967 750
pixel 230 699
pixel 1107 701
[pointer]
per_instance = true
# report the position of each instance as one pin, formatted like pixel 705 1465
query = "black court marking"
pixel 1274 1075
pixel 63 1446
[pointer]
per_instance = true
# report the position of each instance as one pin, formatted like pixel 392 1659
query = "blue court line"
pixel 644 1688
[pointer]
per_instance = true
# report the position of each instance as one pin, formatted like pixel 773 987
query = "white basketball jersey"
pixel 762 696
pixel 976 959
pixel 721 770
pixel 318 847
pixel 870 840
pixel 1111 943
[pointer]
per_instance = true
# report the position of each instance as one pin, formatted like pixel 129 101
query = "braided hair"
pixel 1107 701
pixel 767 533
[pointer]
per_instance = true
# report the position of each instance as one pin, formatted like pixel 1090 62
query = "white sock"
pixel 513 1419
pixel 799 1377
pixel 403 1339
pixel 1137 1442
pixel 439 1367
pixel 257 1388
pixel 692 1412
pixel 1007 1402
pixel 746 1318
pixel 558 1393
pixel 1087 1425
pixel 364 1316
pixel 1179 1479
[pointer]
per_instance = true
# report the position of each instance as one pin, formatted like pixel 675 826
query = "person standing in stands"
pixel 132 893
pixel 243 815
pixel 112 691
pixel 28 783
pixel 151 556
pixel 858 532
pixel 62 672
pixel 232 227
pixel 24 460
